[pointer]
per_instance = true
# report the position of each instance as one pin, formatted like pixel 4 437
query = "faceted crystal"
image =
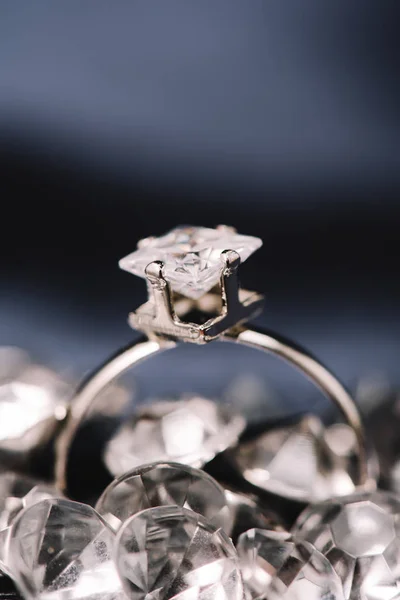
pixel 305 574
pixel 299 461
pixel 161 484
pixel 360 536
pixel 247 513
pixel 62 549
pixel 16 493
pixel 32 398
pixel 188 431
pixel 262 554
pixel 191 256
pixel 171 552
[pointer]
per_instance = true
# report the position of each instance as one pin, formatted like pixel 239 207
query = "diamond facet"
pixel 305 575
pixel 191 256
pixel 16 493
pixel 189 431
pixel 62 549
pixel 360 536
pixel 170 552
pixel 276 567
pixel 262 553
pixel 32 398
pixel 164 484
pixel 297 461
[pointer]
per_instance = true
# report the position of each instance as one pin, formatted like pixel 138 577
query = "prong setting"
pixel 230 305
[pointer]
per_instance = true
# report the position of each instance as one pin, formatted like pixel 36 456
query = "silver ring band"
pixel 269 342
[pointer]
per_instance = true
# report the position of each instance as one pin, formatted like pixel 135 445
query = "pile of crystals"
pixel 164 528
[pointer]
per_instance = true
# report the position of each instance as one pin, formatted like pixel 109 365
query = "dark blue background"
pixel 280 118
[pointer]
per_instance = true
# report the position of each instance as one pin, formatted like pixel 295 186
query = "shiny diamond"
pixel 62 549
pixel 16 493
pixel 305 574
pixel 32 398
pixel 247 513
pixel 298 461
pixel 191 256
pixel 189 431
pixel 164 484
pixel 360 536
pixel 262 554
pixel 170 552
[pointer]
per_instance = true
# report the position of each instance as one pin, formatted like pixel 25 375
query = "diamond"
pixel 62 549
pixel 190 431
pixel 247 513
pixel 297 461
pixel 360 536
pixel 16 493
pixel 32 398
pixel 262 553
pixel 162 484
pixel 191 256
pixel 275 566
pixel 305 574
pixel 171 552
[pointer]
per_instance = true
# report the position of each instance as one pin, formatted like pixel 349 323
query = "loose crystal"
pixel 305 575
pixel 262 554
pixel 171 552
pixel 16 493
pixel 360 536
pixel 188 431
pixel 32 398
pixel 247 513
pixel 62 549
pixel 191 256
pixel 297 461
pixel 164 484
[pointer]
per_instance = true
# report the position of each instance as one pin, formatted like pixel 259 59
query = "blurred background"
pixel 279 118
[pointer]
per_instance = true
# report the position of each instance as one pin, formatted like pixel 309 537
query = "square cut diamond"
pixel 191 257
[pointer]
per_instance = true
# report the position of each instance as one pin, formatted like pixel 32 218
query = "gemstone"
pixel 191 256
pixel 248 513
pixel 190 431
pixel 171 552
pixel 32 399
pixel 359 535
pixel 16 493
pixel 160 484
pixel 262 553
pixel 299 461
pixel 62 549
pixel 382 421
pixel 305 575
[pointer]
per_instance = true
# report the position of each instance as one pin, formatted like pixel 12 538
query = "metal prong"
pixel 154 273
pixel 231 259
